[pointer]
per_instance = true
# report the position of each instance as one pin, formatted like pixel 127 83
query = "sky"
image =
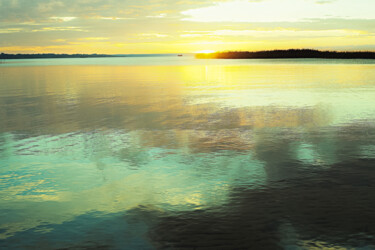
pixel 184 26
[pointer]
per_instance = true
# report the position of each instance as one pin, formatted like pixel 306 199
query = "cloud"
pixel 158 16
pixel 42 10
pixel 193 10
pixel 58 29
pixel 279 33
pixel 324 1
pixel 59 40
pixel 63 19
pixel 152 35
pixel 280 11
pixel 147 25
pixel 112 18
pixel 10 30
pixel 94 38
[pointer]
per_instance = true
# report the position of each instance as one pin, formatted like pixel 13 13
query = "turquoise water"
pixel 175 152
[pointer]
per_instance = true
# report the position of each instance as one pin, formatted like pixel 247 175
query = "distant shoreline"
pixel 5 56
pixel 287 54
pixel 266 54
pixel 40 56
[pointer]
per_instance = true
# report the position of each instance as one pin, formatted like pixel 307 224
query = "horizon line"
pixel 172 53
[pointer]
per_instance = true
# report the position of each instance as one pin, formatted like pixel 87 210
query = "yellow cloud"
pixel 94 38
pixel 63 19
pixel 59 40
pixel 58 29
pixel 152 35
pixel 113 18
pixel 10 30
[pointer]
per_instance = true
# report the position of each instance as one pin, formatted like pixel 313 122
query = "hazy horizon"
pixel 187 53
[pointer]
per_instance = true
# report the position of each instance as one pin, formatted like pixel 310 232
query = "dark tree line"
pixel 291 53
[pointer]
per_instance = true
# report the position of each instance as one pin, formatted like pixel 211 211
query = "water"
pixel 179 153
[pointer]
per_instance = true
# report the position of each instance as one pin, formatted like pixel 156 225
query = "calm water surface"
pixel 178 153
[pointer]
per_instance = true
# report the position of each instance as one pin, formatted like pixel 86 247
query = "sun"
pixel 206 51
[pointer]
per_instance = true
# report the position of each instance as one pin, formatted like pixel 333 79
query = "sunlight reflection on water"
pixel 187 156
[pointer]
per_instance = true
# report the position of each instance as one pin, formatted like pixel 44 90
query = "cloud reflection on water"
pixel 205 150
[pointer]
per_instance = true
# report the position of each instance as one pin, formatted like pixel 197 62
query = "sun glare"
pixel 206 51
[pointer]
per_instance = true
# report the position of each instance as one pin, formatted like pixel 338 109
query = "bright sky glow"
pixel 280 11
pixel 207 51
pixel 168 26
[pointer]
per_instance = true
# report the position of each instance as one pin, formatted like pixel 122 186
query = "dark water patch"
pixel 331 209
pixel 93 230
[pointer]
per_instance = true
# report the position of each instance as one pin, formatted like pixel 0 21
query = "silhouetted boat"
pixel 179 55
